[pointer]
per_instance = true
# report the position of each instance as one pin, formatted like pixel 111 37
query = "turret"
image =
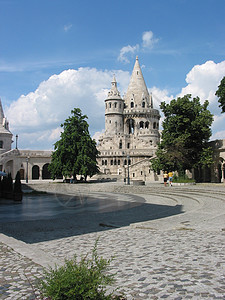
pixel 5 134
pixel 114 106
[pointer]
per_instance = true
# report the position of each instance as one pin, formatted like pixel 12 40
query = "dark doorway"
pixel 35 172
pixel 45 172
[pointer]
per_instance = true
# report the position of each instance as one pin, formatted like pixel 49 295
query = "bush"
pixel 182 179
pixel 86 279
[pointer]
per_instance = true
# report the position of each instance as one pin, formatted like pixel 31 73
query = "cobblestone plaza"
pixel 166 242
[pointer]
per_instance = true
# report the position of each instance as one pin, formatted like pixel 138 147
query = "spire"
pixel 2 117
pixel 114 93
pixel 137 90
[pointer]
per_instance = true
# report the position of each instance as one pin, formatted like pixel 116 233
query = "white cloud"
pixel 147 39
pixel 159 96
pixel 147 43
pixel 203 81
pixel 36 117
pixel 67 27
pixel 126 51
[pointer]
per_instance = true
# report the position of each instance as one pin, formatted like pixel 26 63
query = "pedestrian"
pixel 165 178
pixel 170 175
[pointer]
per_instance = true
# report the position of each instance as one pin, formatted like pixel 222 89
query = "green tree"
pixel 220 93
pixel 185 135
pixel 75 153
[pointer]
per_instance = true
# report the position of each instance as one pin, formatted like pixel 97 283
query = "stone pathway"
pixel 18 275
pixel 178 257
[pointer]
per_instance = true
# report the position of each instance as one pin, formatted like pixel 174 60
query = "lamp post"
pixel 128 173
pixel 16 140
pixel 27 159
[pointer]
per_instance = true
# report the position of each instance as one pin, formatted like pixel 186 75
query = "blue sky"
pixel 57 55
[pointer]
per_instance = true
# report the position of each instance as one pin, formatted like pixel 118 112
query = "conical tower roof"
pixel 114 93
pixel 137 91
pixel 4 125
pixel 1 113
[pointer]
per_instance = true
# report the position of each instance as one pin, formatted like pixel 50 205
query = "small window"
pixel 115 104
pixel 110 105
pixel 154 125
pixel 119 162
pixel 132 104
pixel 106 162
pixel 120 105
pixel 143 104
pixel 146 125
pixel 115 162
pixel 133 174
pixel 141 124
pixel 103 162
pixel 128 145
pixel 141 172
pixel 1 144
pixel 120 145
pixel 111 162
pixel 129 162
pixel 125 162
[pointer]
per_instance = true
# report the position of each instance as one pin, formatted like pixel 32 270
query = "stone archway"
pixel 45 172
pixel 35 172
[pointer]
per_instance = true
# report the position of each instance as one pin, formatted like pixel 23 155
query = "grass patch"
pixel 182 179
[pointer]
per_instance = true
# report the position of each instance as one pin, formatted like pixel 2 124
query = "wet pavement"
pixel 167 243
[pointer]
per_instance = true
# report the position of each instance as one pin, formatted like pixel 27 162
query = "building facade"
pixel 131 131
pixel 32 164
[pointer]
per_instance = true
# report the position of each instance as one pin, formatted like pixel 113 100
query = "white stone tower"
pixel 114 105
pixel 131 130
pixel 5 134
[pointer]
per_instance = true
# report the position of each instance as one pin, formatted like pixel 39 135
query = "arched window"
pixel 141 124
pixel 110 104
pixel 125 162
pixel 35 172
pixel 128 145
pixel 1 144
pixel 118 162
pixel 45 172
pixel 132 104
pixel 103 162
pixel 106 162
pixel 154 125
pixel 111 162
pixel 146 124
pixel 120 144
pixel 115 162
pixel 115 104
pixel 129 161
pixel 130 124
pixel 143 104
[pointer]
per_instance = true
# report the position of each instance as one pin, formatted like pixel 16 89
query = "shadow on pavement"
pixel 48 217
